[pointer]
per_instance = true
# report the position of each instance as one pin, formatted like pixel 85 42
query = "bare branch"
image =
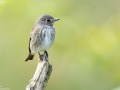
pixel 42 74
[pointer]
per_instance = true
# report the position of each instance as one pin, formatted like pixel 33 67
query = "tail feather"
pixel 30 57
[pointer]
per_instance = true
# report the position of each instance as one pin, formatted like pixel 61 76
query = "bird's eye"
pixel 48 20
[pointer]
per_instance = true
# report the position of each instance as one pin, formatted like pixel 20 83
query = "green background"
pixel 85 54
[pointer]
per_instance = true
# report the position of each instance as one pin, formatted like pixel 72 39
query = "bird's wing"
pixel 34 36
pixel 29 45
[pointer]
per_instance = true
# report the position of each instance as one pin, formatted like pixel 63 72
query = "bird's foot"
pixel 46 53
pixel 40 56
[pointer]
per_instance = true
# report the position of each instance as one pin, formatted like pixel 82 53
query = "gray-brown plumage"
pixel 42 35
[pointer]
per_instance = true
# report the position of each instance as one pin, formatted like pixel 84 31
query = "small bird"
pixel 42 35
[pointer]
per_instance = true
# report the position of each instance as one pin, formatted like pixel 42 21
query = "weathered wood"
pixel 42 74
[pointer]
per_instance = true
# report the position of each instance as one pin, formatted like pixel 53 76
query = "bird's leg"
pixel 46 53
pixel 41 56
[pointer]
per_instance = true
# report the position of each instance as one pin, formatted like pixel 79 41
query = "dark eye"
pixel 48 20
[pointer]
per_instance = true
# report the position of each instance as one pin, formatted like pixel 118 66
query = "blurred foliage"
pixel 85 54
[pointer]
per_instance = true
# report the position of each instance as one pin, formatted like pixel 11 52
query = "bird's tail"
pixel 30 57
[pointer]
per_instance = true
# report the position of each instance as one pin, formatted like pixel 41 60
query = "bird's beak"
pixel 56 19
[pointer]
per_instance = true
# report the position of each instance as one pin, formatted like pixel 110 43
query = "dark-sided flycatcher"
pixel 42 35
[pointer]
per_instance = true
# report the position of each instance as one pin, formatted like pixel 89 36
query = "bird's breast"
pixel 47 38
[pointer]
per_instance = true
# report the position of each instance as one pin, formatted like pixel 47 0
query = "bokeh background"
pixel 85 54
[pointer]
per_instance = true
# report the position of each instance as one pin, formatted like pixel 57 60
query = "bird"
pixel 42 35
